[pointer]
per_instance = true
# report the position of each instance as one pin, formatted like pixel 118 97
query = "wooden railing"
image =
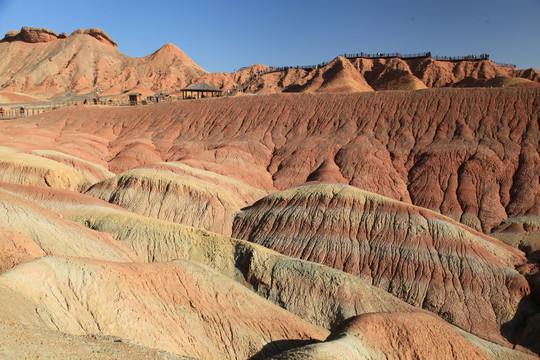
pixel 387 55
pixel 7 114
pixel 17 113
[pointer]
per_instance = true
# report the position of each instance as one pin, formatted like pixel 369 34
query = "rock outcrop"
pixel 368 74
pixel 419 256
pixel 99 34
pixel 34 35
pixel 338 76
pixel 30 35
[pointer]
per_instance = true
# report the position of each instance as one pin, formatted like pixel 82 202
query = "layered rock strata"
pixel 419 256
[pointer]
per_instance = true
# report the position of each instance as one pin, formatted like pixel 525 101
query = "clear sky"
pixel 222 36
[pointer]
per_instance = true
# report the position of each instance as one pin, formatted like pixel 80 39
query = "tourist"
pixel 21 111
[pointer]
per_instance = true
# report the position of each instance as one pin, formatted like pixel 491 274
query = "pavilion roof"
pixel 201 87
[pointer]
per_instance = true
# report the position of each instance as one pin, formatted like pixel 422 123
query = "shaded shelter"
pixel 134 98
pixel 200 90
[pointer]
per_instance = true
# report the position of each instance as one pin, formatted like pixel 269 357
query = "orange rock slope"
pixel 390 336
pixel 470 154
pixel 106 212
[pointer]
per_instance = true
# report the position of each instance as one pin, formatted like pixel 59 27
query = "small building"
pixel 134 98
pixel 200 90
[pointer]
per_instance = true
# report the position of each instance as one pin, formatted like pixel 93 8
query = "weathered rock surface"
pixel 291 283
pixel 470 154
pixel 330 295
pixel 99 34
pixel 30 169
pixel 30 35
pixel 93 173
pixel 39 35
pixel 338 76
pixel 244 193
pixel 180 307
pixel 397 336
pixel 420 256
pixel 26 222
pixel 166 195
pixel 15 249
pixel 22 342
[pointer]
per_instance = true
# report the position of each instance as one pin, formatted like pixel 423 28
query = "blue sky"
pixel 224 35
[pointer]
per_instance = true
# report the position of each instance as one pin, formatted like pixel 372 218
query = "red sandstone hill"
pixel 39 61
pixel 138 293
pixel 418 255
pixel 470 154
pixel 149 173
pixel 362 74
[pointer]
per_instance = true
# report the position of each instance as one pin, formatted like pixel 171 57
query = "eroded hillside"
pixel 469 154
pixel 115 223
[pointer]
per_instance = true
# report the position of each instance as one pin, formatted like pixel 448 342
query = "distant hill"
pixel 374 74
pixel 38 61
pixel 45 64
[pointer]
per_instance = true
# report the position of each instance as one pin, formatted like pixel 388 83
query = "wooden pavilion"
pixel 200 90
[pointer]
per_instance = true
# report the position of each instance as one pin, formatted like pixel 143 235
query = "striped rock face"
pixel 470 154
pixel 181 307
pixel 31 227
pixel 318 294
pixel 418 255
pixel 164 194
pixel 398 336
pixel 33 169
